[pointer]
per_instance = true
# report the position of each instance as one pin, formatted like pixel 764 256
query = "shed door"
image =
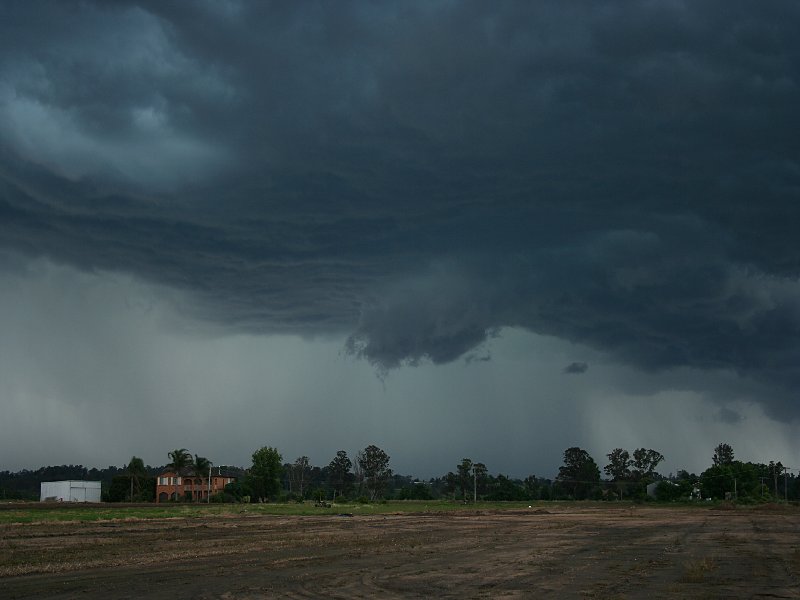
pixel 77 495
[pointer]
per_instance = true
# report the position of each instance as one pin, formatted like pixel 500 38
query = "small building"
pixel 192 487
pixel 70 491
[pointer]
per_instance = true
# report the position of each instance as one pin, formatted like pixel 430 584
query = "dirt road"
pixel 560 552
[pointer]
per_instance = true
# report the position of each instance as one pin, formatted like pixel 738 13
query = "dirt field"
pixel 563 551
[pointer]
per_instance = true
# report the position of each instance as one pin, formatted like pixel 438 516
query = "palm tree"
pixel 201 467
pixel 136 472
pixel 180 459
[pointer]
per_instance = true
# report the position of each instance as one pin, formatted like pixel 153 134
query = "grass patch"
pixel 696 570
pixel 38 513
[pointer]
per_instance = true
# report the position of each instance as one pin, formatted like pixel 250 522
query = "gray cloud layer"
pixel 624 175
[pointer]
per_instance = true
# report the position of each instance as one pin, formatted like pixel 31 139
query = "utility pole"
pixel 474 485
pixel 208 495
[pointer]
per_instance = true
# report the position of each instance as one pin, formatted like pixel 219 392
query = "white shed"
pixel 70 491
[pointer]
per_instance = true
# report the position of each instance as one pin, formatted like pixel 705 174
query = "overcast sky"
pixel 483 229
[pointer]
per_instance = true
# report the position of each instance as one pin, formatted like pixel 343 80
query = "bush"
pixel 221 497
pixel 417 491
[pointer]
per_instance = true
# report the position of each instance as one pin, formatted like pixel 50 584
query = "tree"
pixel 137 473
pixel 774 470
pixel 339 472
pixel 240 491
pixel 480 473
pixel 645 463
pixel 464 470
pixel 451 484
pixel 619 463
pixel 580 473
pixel 265 474
pixel 723 455
pixel 718 482
pixel 299 470
pixel 503 489
pixel 201 470
pixel 179 460
pixel 619 468
pixel 119 490
pixel 374 464
pixel 669 491
pixel 417 490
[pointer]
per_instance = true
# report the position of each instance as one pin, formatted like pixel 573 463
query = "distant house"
pixel 651 487
pixel 190 486
pixel 70 491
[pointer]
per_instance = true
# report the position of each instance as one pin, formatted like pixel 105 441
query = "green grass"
pixel 92 513
pixel 109 512
pixel 188 511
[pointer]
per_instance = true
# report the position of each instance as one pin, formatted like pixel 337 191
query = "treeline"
pixel 634 476
pixel 25 484
pixel 368 477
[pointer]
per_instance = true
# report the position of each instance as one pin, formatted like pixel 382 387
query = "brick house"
pixel 192 486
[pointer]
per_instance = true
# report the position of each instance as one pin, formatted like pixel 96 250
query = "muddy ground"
pixel 560 551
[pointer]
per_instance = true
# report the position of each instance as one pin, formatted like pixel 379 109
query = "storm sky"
pixel 451 229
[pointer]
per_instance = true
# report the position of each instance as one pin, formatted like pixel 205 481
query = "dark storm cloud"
pixel 726 415
pixel 419 175
pixel 576 368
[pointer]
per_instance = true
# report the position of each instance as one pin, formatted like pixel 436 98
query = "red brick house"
pixel 190 485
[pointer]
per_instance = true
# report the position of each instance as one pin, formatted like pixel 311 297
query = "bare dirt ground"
pixel 561 551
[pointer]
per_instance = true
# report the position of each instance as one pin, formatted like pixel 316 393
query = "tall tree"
pixel 201 469
pixel 723 455
pixel 464 470
pixel 374 464
pixel 645 462
pixel 451 484
pixel 265 474
pixel 479 473
pixel 536 488
pixel 580 474
pixel 300 472
pixel 619 465
pixel 339 472
pixel 179 460
pixel 137 473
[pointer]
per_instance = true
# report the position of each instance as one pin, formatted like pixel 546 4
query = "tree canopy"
pixel 619 465
pixel 723 455
pixel 579 475
pixel 374 464
pixel 265 474
pixel 339 475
